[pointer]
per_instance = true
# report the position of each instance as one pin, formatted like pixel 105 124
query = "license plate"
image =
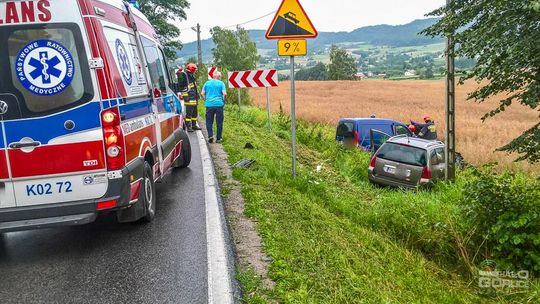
pixel 60 189
pixel 41 189
pixel 390 170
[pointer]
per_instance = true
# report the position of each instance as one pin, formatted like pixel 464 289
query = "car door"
pixel 164 101
pixel 437 163
pixel 377 139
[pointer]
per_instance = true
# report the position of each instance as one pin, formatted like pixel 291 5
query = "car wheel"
pixel 148 193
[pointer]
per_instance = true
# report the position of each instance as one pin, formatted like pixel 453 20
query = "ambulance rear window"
pixel 48 68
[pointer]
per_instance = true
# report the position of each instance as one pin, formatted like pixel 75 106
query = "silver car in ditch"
pixel 410 162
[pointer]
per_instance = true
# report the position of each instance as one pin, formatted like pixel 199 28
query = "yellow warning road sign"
pixel 292 47
pixel 291 21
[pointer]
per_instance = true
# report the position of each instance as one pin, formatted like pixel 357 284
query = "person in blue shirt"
pixel 214 94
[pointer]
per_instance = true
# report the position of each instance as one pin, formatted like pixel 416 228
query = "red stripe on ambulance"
pixel 57 159
pixel 4 173
pixel 116 16
pixel 105 85
pixel 85 7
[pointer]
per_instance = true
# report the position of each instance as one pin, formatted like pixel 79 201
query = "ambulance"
pixel 88 122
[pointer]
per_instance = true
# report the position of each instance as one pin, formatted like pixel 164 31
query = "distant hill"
pixel 379 35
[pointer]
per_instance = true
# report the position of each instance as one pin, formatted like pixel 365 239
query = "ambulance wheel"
pixel 148 193
pixel 185 158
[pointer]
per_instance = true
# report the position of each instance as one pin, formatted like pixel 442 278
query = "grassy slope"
pixel 334 238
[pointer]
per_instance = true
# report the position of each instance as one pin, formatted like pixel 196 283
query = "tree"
pixel 317 72
pixel 234 51
pixel 342 65
pixel 503 37
pixel 159 12
pixel 427 73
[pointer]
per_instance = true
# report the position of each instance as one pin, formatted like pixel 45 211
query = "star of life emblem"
pixel 123 62
pixel 45 67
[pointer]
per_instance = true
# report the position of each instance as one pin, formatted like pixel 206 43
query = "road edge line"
pixel 219 277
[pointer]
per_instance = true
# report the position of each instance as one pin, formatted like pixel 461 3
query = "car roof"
pixel 370 120
pixel 415 142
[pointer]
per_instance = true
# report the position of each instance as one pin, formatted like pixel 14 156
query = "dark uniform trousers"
pixel 191 112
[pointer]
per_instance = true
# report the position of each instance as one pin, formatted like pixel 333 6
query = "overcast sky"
pixel 333 15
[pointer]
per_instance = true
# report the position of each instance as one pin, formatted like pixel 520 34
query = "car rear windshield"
pixel 345 129
pixel 44 67
pixel 403 154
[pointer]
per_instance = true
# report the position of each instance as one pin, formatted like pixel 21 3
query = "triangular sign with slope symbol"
pixel 291 21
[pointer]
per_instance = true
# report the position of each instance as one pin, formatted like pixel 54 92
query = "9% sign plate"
pixel 292 47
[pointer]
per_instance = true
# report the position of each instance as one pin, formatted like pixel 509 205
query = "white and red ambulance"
pixel 88 122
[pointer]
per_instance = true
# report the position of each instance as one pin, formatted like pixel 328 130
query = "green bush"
pixel 505 209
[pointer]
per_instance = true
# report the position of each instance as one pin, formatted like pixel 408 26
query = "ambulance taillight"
pixel 114 139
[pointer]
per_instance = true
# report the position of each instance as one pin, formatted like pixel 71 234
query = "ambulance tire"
pixel 185 157
pixel 147 195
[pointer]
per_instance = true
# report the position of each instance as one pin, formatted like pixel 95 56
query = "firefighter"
pixel 190 93
pixel 427 130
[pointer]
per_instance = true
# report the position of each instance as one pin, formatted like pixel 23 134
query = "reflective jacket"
pixel 427 131
pixel 188 88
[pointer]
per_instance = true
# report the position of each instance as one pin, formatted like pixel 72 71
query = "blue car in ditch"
pixel 358 132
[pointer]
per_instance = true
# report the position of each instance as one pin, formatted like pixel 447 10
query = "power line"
pixel 231 26
pixel 249 21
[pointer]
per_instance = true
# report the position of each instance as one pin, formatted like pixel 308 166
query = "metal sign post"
pixel 293 117
pixel 450 110
pixel 268 106
pixel 289 25
pixel 239 101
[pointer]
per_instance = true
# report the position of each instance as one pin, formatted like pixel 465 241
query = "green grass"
pixel 417 77
pixel 335 238
pixel 422 50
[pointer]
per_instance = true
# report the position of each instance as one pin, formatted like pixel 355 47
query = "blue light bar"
pixel 135 4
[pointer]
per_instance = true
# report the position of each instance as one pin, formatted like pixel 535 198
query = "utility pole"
pixel 199 44
pixel 450 111
pixel 239 90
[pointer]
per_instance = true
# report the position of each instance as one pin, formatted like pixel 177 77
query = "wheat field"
pixel 328 101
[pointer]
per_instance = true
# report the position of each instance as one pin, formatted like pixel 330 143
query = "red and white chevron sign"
pixel 211 72
pixel 253 79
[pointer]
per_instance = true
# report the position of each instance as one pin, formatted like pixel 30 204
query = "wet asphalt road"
pixel 105 262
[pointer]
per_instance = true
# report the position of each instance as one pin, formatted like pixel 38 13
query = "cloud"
pixel 327 16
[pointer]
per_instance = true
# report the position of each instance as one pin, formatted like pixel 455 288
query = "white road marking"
pixel 219 281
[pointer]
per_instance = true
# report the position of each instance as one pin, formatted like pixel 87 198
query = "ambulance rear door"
pixel 51 127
